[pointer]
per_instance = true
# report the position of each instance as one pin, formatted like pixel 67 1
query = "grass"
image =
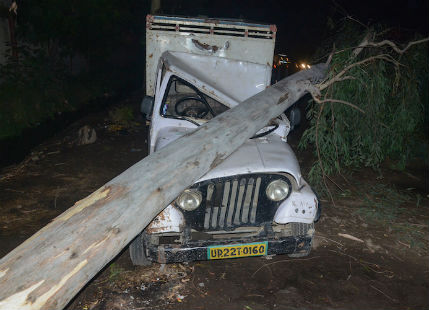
pixel 410 235
pixel 114 272
pixel 382 203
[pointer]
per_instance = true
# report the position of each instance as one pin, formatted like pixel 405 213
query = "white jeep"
pixel 253 203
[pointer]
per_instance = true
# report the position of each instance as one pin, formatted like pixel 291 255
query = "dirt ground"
pixel 370 250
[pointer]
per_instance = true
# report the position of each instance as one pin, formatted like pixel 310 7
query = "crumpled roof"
pixel 226 80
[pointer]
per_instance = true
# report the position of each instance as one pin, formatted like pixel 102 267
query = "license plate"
pixel 237 250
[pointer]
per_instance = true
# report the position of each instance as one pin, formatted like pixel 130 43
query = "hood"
pixel 261 155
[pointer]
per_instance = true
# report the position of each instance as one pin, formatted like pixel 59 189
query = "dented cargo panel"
pixel 227 80
pixel 228 39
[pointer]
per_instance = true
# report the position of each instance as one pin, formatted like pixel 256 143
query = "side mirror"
pixel 146 107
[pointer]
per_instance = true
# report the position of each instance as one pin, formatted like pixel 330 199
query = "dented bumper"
pixel 198 250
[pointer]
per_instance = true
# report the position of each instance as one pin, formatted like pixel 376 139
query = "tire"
pixel 138 252
pixel 301 229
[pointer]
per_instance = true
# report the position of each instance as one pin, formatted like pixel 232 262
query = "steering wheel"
pixel 196 111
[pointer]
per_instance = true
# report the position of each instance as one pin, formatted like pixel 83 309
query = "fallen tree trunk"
pixel 49 269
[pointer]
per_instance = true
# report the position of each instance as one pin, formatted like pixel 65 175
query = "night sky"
pixel 303 24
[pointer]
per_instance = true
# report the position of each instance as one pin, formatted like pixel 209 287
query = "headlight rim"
pixel 193 191
pixel 289 189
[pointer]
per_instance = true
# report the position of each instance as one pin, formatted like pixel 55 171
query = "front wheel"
pixel 138 252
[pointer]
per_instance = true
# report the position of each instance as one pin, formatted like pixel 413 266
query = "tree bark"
pixel 49 269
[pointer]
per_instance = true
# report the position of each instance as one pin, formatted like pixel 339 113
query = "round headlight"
pixel 189 200
pixel 277 190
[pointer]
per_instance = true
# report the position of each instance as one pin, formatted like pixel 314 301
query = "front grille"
pixel 231 202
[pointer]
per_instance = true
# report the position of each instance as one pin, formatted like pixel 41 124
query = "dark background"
pixel 78 56
pixel 302 25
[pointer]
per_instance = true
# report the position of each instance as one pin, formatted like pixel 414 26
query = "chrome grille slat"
pixel 214 217
pixel 210 189
pixel 239 201
pixel 224 204
pixel 247 200
pixel 231 204
pixel 255 201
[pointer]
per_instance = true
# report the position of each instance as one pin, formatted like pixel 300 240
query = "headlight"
pixel 189 200
pixel 277 190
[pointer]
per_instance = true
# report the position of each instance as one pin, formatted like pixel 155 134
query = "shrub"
pixel 35 88
pixel 392 91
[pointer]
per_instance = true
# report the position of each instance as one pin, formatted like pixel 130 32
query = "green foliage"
pixel 393 93
pixel 115 271
pixel 41 83
pixel 35 88
pixel 122 116
pixel 4 11
pixel 95 28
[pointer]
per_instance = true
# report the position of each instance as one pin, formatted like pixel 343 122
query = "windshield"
pixel 183 100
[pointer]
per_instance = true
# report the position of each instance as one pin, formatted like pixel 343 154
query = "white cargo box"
pixel 221 38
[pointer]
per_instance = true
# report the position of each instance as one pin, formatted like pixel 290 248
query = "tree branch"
pixel 339 101
pixel 342 72
pixel 394 46
pixel 361 46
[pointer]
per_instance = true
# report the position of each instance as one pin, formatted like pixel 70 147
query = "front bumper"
pixel 197 250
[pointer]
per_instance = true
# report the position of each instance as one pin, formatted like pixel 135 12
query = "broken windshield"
pixel 183 100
